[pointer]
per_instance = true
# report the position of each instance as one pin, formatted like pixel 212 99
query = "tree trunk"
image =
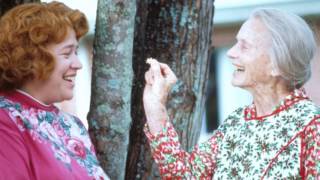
pixel 5 5
pixel 109 116
pixel 177 33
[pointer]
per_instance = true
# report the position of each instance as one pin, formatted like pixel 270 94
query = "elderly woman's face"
pixel 250 55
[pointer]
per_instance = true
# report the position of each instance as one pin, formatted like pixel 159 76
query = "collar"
pixel 250 112
pixel 18 96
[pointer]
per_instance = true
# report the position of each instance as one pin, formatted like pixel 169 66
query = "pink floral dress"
pixel 42 142
pixel 282 145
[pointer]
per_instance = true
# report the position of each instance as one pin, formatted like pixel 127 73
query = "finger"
pixel 148 61
pixel 146 91
pixel 168 73
pixel 148 77
pixel 165 69
pixel 155 68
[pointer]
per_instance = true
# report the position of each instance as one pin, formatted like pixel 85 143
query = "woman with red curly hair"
pixel 38 66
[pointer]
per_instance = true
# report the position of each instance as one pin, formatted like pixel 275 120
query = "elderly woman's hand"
pixel 159 80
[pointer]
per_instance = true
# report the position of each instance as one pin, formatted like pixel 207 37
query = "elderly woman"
pixel 276 137
pixel 38 66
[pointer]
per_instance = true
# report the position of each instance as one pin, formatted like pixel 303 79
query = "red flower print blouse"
pixel 282 145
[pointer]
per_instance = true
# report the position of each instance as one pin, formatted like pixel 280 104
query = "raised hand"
pixel 159 80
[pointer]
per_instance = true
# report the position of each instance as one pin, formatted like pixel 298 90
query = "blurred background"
pixel 222 97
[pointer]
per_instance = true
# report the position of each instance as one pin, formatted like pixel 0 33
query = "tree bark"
pixel 5 5
pixel 176 32
pixel 109 116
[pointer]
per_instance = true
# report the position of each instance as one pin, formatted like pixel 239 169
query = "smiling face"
pixel 59 86
pixel 250 56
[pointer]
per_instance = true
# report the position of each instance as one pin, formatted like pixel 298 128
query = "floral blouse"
pixel 42 142
pixel 282 145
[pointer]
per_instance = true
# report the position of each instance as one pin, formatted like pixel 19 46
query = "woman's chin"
pixel 67 96
pixel 239 84
pixel 235 83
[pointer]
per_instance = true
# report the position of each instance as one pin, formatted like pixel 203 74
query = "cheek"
pixel 62 67
pixel 255 67
pixel 259 73
pixel 57 74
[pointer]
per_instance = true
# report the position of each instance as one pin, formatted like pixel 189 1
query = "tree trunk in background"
pixel 177 33
pixel 109 116
pixel 5 5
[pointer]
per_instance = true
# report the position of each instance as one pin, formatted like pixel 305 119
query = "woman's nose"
pixel 232 52
pixel 76 64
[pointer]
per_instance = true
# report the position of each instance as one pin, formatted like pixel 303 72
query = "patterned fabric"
pixel 282 145
pixel 64 134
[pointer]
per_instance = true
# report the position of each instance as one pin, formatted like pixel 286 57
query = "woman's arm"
pixel 159 79
pixel 173 161
pixel 176 163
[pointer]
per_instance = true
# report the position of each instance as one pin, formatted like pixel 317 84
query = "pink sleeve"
pixel 175 163
pixel 311 151
pixel 13 154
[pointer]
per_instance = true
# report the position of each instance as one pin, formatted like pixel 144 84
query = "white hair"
pixel 293 45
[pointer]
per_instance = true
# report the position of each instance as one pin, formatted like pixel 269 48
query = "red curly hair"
pixel 25 32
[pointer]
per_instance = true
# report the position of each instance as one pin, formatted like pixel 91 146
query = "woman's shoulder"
pixel 7 125
pixel 73 118
pixel 5 102
pixel 233 119
pixel 74 123
pixel 306 107
pixel 5 120
pixel 236 114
